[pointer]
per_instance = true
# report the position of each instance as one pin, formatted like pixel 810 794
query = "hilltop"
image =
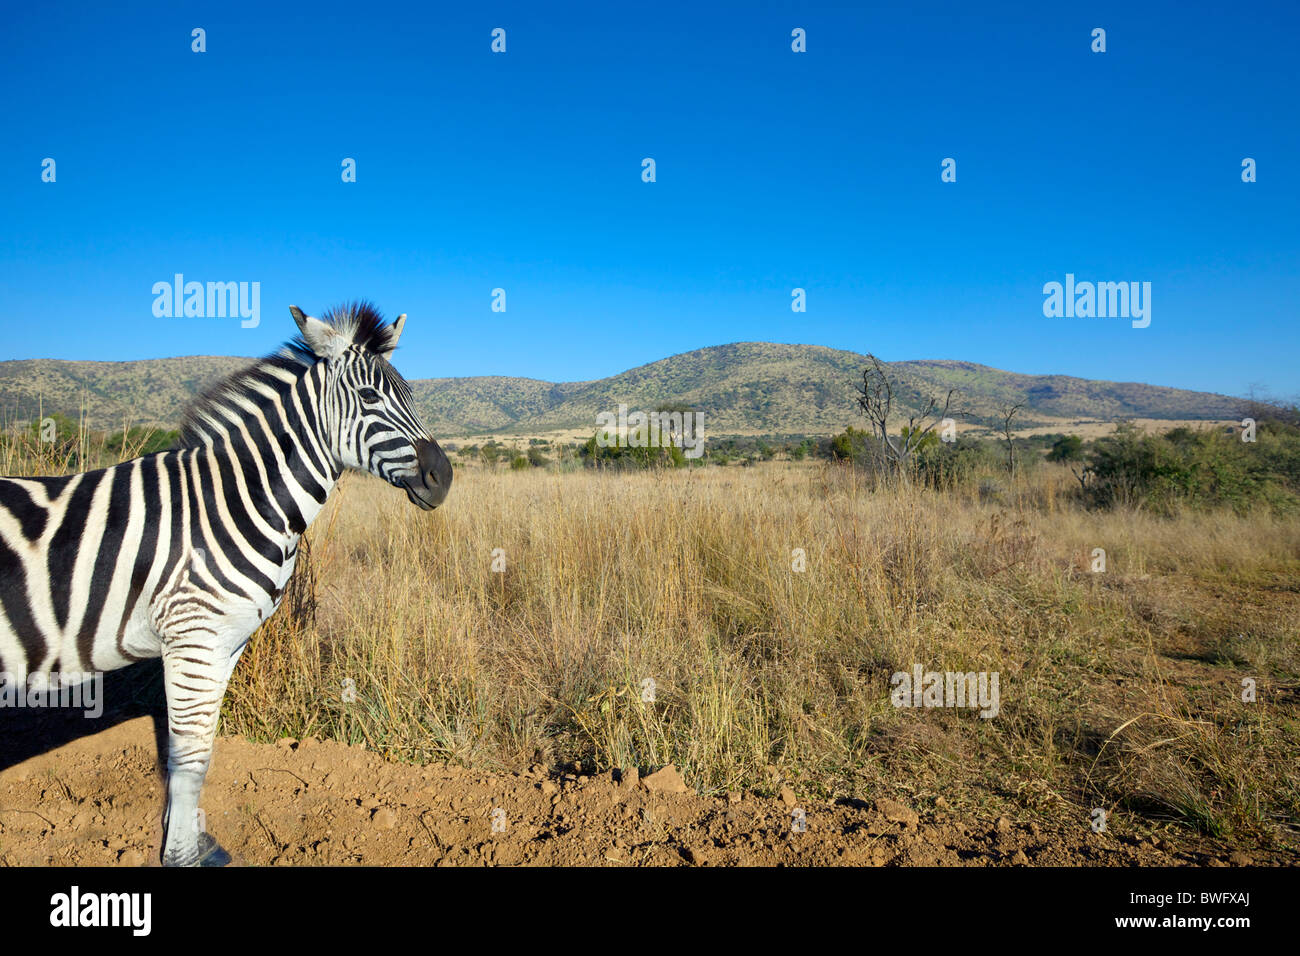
pixel 745 387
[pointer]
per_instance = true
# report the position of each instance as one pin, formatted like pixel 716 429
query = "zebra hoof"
pixel 211 852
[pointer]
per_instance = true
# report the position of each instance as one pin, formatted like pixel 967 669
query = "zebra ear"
pixel 320 337
pixel 394 334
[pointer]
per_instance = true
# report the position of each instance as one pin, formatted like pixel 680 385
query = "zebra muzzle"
pixel 434 480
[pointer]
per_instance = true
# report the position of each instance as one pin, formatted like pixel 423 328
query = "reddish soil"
pixel 98 799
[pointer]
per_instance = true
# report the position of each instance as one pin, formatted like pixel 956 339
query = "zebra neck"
pixel 307 466
pixel 272 445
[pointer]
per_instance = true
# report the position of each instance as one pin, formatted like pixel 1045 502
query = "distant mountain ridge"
pixel 753 387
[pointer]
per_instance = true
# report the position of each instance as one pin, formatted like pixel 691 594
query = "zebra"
pixel 182 554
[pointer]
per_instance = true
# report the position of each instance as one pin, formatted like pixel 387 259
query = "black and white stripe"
pixel 183 554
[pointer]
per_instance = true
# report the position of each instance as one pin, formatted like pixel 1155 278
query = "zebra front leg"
pixel 195 673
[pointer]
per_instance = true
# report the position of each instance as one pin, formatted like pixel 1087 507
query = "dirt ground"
pixel 97 801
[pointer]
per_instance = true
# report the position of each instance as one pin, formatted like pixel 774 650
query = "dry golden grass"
pixel 1119 690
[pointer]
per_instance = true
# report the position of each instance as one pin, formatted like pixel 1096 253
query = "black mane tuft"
pixel 360 321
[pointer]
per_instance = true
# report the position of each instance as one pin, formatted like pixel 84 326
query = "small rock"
pixel 548 787
pixel 896 812
pixel 666 780
pixel 384 818
pixel 1019 859
pixel 788 797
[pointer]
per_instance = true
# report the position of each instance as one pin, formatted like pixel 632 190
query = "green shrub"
pixel 1066 448
pixel 140 441
pixel 949 464
pixel 1200 468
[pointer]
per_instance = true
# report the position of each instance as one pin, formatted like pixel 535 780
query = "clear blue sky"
pixel 775 170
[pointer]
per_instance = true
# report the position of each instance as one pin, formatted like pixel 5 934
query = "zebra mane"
pixel 360 321
pixel 204 411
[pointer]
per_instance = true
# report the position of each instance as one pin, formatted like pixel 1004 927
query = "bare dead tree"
pixel 1081 475
pixel 1263 408
pixel 876 401
pixel 1008 413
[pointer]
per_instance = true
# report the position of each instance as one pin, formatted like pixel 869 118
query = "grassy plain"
pixel 1120 689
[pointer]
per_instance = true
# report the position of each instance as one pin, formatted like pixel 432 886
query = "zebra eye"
pixel 369 396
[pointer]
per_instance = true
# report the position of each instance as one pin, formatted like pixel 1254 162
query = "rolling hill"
pixel 746 387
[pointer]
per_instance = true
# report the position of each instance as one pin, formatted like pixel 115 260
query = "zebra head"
pixel 367 407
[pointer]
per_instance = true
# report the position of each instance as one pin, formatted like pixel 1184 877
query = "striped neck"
pixel 274 427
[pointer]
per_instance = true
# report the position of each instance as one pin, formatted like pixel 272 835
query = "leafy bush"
pixel 595 455
pixel 66 430
pixel 140 441
pixel 851 445
pixel 1195 468
pixel 1066 448
pixel 943 464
